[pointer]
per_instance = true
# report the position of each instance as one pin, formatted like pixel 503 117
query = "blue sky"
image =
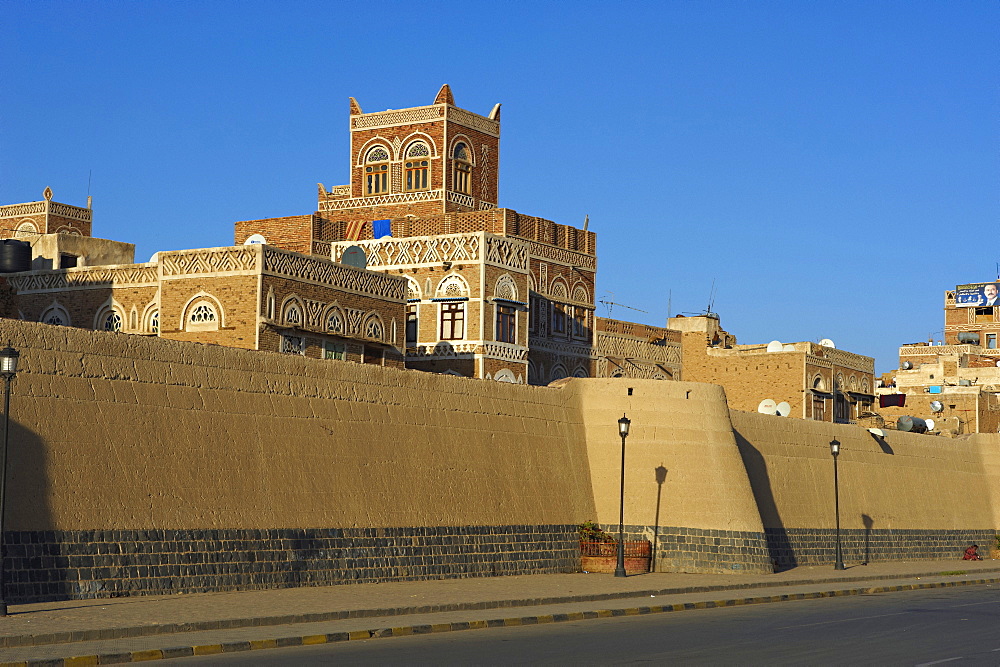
pixel 832 167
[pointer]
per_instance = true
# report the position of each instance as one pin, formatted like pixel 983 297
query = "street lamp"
pixel 623 425
pixel 835 450
pixel 8 369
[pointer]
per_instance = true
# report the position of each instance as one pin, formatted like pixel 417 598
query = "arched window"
pixel 463 168
pixel 377 171
pixel 154 322
pixel 112 321
pixel 374 328
pixel 202 313
pixel 416 168
pixel 55 314
pixel 335 321
pixel 293 314
pixel 26 228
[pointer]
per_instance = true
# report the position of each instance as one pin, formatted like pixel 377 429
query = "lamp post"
pixel 835 450
pixel 623 425
pixel 8 369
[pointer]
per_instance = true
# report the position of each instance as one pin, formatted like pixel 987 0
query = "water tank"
pixel 14 256
pixel 968 337
pixel 911 424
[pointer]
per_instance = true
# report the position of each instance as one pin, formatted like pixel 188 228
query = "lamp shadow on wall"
pixel 869 522
pixel 778 545
pixel 886 449
pixel 661 477
pixel 28 511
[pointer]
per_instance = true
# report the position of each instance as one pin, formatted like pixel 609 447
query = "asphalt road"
pixel 951 625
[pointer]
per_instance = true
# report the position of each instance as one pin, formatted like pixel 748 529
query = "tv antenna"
pixel 711 298
pixel 611 304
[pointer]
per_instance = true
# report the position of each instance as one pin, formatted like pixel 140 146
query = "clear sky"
pixel 832 167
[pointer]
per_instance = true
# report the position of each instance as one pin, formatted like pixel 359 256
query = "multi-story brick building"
pixel 817 381
pixel 492 293
pixel 251 296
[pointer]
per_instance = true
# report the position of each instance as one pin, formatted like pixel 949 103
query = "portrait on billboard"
pixel 977 294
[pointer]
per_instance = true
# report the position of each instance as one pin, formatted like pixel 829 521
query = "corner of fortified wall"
pixel 902 496
pixel 142 465
pixel 686 489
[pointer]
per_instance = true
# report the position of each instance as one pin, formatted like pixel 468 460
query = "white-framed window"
pixel 293 344
pixel 453 320
pixel 154 322
pixel 506 329
pixel 412 324
pixel 336 351
pixel 377 171
pixel 202 313
pixel 416 167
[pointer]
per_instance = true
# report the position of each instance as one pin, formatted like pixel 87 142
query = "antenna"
pixel 711 298
pixel 610 304
pixel 670 300
pixel 90 177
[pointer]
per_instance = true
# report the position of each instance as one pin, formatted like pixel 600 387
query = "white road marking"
pixel 938 662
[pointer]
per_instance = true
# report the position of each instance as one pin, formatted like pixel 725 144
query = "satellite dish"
pixel 930 424
pixel 937 406
pixel 774 346
pixel 783 409
pixel 906 366
pixel 826 342
pixel 354 256
pixel 767 407
pixel 154 258
pixel 877 431
pixel 787 347
pixel 998 363
pixel 255 239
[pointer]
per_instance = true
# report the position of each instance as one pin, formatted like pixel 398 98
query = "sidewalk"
pixel 127 629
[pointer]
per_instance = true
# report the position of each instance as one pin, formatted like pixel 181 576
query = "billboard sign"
pixel 977 294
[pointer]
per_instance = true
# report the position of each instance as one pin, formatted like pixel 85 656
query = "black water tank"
pixel 14 256
pixel 911 424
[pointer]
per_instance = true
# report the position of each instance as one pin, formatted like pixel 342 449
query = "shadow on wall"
pixel 27 560
pixel 778 544
pixel 661 477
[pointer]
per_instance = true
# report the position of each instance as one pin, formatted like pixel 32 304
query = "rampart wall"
pixel 142 465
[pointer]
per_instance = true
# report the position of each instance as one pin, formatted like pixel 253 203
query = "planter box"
pixel 603 556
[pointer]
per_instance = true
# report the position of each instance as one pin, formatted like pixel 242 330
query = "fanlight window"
pixel 113 321
pixel 374 329
pixel 335 322
pixel 154 322
pixel 202 314
pixel 292 314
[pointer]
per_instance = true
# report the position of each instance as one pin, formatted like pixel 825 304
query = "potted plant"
pixel 599 551
pixel 995 551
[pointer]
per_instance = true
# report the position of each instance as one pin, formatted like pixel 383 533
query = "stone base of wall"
pixel 55 565
pixel 698 550
pixel 790 547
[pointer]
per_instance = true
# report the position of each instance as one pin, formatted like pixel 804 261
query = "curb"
pixel 408 630
pixel 133 632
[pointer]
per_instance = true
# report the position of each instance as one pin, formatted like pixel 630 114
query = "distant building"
pixel 630 350
pixel 956 384
pixel 817 381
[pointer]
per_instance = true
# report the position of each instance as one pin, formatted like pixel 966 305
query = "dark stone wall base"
pixel 58 565
pixel 698 550
pixel 790 547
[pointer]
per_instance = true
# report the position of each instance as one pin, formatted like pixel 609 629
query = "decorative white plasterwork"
pixel 474 121
pixel 562 256
pixel 132 275
pixel 235 260
pixel 371 121
pixel 461 200
pixel 505 351
pixel 324 272
pixel 19 210
pixel 71 212
pixel 380 200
